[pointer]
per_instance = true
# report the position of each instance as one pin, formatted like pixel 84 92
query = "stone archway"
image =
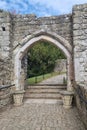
pixel 51 37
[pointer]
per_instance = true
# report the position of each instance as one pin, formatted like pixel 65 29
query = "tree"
pixel 42 57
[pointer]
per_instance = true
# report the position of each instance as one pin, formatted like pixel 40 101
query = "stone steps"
pixel 44 92
pixel 44 101
pixel 44 96
pixel 47 86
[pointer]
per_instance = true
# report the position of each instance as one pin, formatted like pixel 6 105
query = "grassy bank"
pixel 40 78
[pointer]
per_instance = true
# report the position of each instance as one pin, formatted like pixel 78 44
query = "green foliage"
pixel 37 79
pixel 42 57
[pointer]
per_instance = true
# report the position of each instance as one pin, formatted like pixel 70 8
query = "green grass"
pixel 40 78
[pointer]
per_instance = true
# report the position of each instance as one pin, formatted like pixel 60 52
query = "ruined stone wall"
pixel 80 43
pixel 5 57
pixel 5 48
pixel 13 28
pixel 80 58
pixel 5 98
pixel 28 24
pixel 60 65
pixel 24 25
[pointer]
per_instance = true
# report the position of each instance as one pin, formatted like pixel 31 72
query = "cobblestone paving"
pixel 35 116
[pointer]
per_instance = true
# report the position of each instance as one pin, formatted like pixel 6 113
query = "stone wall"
pixel 5 97
pixel 81 102
pixel 60 65
pixel 25 25
pixel 80 43
pixel 28 24
pixel 80 58
pixel 13 28
pixel 5 48
pixel 5 57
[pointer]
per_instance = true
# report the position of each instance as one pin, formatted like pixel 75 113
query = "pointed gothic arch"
pixel 22 48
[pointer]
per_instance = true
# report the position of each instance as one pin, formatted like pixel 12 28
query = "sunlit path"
pixel 40 116
pixel 59 79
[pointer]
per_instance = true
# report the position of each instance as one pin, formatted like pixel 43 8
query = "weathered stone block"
pixel 18 97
